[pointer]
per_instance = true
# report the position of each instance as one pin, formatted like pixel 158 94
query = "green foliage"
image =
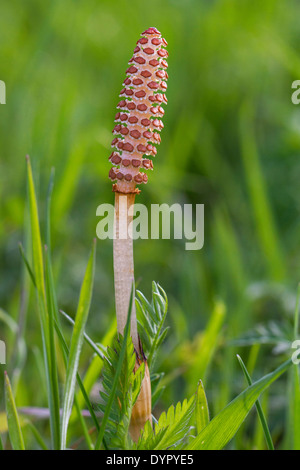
pixel 13 421
pixel 128 388
pixel 76 344
pixel 121 382
pixel 231 143
pixel 201 408
pixel 258 408
pixel 42 280
pixel 151 317
pixel 172 427
pixel 199 354
pixel 276 334
pixel 177 421
pixel 45 312
pixel 222 428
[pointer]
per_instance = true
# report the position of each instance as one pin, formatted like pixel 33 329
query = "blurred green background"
pixel 231 141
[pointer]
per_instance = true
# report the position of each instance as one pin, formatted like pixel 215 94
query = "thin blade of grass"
pixel 260 202
pixel 260 412
pixel 86 336
pixel 26 262
pixel 47 333
pixel 14 428
pixel 201 359
pixel 80 383
pixel 76 344
pixel 53 309
pixel 36 435
pixel 51 331
pixel 295 385
pixel 37 252
pixel 96 365
pixel 54 323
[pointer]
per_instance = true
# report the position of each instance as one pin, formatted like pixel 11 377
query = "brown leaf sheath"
pixel 141 412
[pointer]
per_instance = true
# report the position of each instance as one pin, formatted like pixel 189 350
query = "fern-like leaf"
pixel 172 428
pixel 116 433
pixel 151 317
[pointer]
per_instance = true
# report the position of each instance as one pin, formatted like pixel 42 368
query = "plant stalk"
pixel 124 282
pixel 123 264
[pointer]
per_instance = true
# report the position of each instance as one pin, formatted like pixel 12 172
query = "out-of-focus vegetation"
pixel 231 141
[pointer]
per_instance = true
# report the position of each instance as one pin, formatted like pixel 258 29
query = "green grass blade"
pixel 296 314
pixel 222 428
pixel 76 344
pixel 262 211
pixel 52 313
pixel 36 236
pixel 14 428
pixel 26 262
pixel 259 408
pixel 81 386
pixel 201 408
pixel 96 365
pixel 46 328
pixel 8 321
pixel 295 386
pixel 83 425
pixel 117 375
pixel 36 435
pixel 206 347
pixel 86 337
pixel 48 210
pixel 52 351
pixel 295 403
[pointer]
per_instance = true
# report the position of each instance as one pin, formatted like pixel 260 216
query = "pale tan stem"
pixel 123 263
pixel 124 280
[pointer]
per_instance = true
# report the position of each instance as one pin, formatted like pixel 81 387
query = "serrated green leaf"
pixel 151 318
pixel 115 376
pixel 148 440
pixel 171 428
